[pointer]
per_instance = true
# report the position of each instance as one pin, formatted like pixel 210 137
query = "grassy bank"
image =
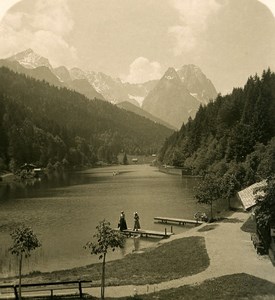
pixel 179 258
pixel 236 286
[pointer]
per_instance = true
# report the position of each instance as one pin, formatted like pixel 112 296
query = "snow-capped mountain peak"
pixel 30 60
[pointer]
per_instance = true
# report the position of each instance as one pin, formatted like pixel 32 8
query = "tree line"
pixel 233 135
pixel 54 126
pixel 230 142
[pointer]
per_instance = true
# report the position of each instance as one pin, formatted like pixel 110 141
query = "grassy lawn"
pixel 176 259
pixel 236 286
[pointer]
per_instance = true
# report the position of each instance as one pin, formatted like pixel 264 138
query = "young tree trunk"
pixel 211 211
pixel 103 277
pixel 20 274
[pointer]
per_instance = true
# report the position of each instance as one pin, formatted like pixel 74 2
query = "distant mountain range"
pixel 113 89
pixel 30 63
pixel 172 99
pixel 89 83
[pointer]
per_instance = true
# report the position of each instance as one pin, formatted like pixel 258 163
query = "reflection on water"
pixel 33 187
pixel 136 240
pixel 64 211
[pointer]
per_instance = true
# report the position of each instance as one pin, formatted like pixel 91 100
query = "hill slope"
pixel 234 135
pixel 141 112
pixel 44 124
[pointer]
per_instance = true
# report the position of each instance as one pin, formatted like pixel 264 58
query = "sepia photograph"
pixel 137 149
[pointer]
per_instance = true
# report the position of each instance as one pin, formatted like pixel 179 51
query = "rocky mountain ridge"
pixel 30 60
pixel 173 98
pixel 197 83
pixel 170 100
pixel 34 65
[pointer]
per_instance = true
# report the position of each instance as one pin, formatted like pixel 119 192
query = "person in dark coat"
pixel 136 222
pixel 122 222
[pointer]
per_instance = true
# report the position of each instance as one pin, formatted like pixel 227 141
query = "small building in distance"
pixel 27 167
pixel 30 170
pixel 264 241
pixel 248 196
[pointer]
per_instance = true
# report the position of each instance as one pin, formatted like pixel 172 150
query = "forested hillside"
pixel 232 137
pixel 43 124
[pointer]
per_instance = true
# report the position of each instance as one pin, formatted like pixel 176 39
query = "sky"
pixel 137 40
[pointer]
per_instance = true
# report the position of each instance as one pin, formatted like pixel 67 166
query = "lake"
pixel 64 211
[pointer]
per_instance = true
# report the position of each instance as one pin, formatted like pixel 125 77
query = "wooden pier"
pixel 167 220
pixel 146 233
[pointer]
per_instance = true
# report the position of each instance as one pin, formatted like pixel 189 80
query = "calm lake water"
pixel 64 211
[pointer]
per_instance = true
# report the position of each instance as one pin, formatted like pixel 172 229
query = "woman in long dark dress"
pixel 122 221
pixel 136 222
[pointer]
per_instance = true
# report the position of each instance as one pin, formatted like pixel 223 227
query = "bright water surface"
pixel 64 212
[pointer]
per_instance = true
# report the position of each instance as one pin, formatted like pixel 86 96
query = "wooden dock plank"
pixel 146 233
pixel 176 220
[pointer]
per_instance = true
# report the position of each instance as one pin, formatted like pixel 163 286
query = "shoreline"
pixel 7 177
pixel 227 245
pixel 192 231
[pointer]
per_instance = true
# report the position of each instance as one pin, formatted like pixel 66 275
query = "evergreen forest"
pixel 231 144
pixel 53 126
pixel 232 137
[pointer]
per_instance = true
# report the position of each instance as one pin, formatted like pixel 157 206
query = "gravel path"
pixel 230 251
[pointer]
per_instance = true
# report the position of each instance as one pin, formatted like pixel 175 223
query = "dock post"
pixel 165 231
pixel 171 229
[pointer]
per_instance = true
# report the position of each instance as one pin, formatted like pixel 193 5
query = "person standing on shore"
pixel 122 221
pixel 136 222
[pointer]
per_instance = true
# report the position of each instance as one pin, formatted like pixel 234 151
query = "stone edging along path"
pixel 230 251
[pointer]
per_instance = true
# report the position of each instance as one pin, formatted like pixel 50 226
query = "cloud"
pixel 60 52
pixel 44 30
pixel 53 16
pixel 141 70
pixel 193 15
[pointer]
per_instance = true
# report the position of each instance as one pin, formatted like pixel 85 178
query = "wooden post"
pixel 80 289
pixel 15 292
pixel 171 229
pixel 165 231
pixel 51 294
